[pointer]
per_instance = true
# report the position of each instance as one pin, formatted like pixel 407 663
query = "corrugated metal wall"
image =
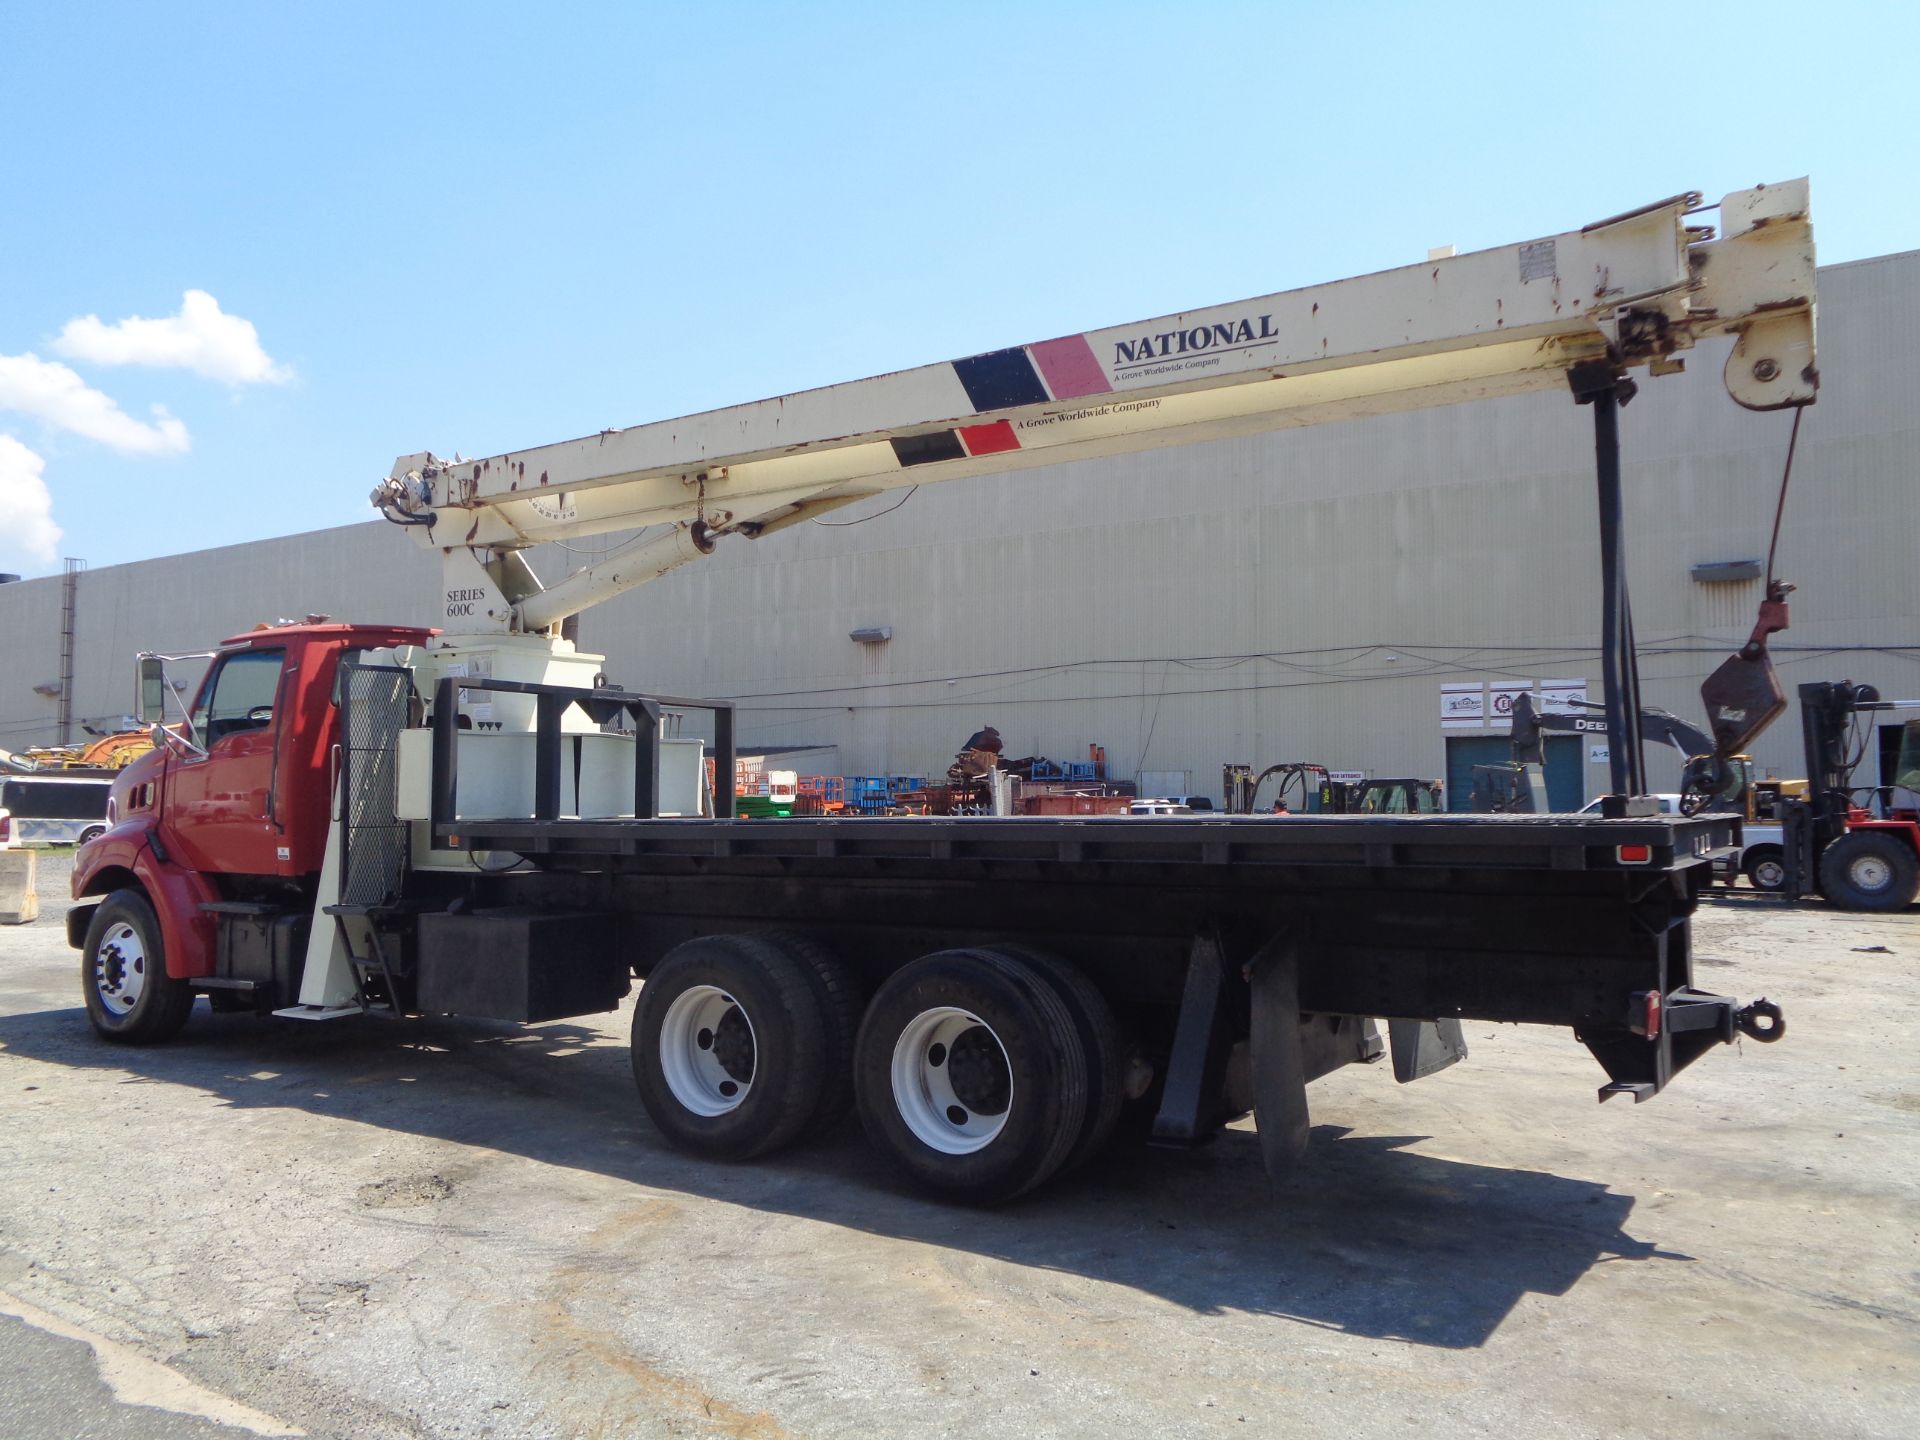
pixel 1300 596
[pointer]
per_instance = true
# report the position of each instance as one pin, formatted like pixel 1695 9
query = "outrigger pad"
pixel 1421 1047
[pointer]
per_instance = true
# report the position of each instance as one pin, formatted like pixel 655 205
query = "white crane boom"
pixel 1631 291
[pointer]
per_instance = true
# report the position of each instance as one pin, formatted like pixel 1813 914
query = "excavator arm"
pixel 1708 778
pixel 1658 726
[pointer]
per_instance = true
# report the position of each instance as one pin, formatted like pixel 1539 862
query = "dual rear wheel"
pixel 981 1073
pixel 740 1043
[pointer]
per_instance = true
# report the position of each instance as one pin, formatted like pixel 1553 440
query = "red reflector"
pixel 1635 854
pixel 1653 1013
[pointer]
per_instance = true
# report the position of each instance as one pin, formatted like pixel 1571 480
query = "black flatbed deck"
pixel 1521 918
pixel 1526 842
pixel 1550 919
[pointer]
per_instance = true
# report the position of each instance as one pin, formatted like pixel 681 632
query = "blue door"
pixel 1566 776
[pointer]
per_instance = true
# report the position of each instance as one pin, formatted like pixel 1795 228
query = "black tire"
pixel 1870 870
pixel 842 1000
pixel 1025 1077
pixel 1100 1039
pixel 124 954
pixel 1765 867
pixel 92 832
pixel 752 1021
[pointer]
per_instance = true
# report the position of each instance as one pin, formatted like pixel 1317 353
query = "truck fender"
pixel 122 857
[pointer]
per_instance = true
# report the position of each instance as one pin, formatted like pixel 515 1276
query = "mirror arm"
pixel 179 744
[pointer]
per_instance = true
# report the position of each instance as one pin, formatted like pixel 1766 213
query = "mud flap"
pixel 1279 1060
pixel 1421 1047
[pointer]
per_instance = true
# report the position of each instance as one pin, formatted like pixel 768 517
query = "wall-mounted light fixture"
pixel 871 635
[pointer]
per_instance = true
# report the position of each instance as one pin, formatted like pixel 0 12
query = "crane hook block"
pixel 1745 695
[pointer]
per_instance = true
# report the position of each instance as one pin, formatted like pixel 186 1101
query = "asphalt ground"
pixel 441 1228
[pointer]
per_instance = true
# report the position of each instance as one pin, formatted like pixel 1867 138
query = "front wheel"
pixel 131 999
pixel 1870 870
pixel 1765 868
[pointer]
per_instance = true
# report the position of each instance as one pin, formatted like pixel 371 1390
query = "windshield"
pixel 1906 769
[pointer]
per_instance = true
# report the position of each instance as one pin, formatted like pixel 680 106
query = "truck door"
pixel 217 804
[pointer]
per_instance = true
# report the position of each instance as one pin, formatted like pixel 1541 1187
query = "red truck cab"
pixel 237 810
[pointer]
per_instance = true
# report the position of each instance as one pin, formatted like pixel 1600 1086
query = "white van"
pixel 52 809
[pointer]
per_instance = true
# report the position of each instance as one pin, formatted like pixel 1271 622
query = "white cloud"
pixel 202 338
pixel 26 509
pixel 53 393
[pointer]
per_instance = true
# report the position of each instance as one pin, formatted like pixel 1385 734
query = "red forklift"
pixel 1859 847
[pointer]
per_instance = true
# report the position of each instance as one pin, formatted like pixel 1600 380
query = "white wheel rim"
pixel 1870 872
pixel 120 969
pixel 1769 874
pixel 955 1104
pixel 707 1051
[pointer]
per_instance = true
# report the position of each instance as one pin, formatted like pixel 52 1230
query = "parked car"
pixel 1175 806
pixel 52 809
pixel 1762 858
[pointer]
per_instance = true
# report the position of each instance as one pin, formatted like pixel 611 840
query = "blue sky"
pixel 477 227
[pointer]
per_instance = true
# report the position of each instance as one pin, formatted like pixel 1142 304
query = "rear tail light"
pixel 1635 854
pixel 6 827
pixel 1644 1017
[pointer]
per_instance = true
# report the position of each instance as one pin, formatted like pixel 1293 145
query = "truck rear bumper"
pixel 1666 1033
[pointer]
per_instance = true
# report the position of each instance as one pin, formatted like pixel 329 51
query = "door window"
pixel 241 693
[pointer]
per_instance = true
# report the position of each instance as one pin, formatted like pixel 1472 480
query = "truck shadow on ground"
pixel 1372 1238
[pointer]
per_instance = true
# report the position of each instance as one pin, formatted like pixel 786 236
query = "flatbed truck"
pixel 355 820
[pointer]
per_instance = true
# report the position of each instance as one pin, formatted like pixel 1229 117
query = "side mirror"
pixel 150 693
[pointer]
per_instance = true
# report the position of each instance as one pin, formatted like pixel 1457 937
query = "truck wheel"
pixel 131 999
pixel 842 998
pixel 1100 1039
pixel 729 1046
pixel 970 1074
pixel 1869 870
pixel 1765 867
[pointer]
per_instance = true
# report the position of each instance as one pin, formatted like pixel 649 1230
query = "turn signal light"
pixel 1635 854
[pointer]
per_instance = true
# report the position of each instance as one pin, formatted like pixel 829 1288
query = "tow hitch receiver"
pixel 1663 1034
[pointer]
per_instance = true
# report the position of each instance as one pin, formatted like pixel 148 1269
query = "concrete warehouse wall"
pixel 1296 596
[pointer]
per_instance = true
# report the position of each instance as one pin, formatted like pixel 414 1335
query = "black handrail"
pixel 551 703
